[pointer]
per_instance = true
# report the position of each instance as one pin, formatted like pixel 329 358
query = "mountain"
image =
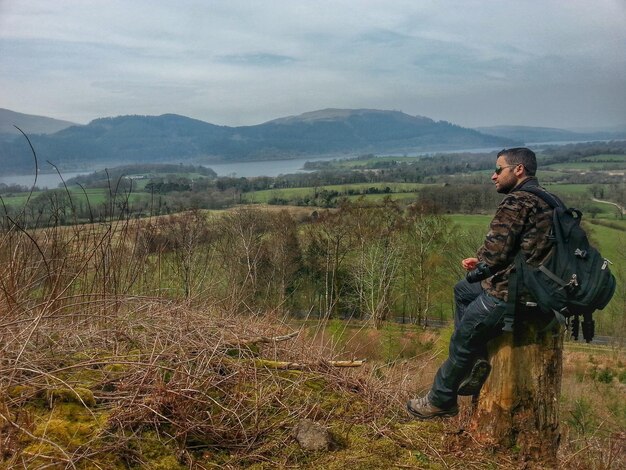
pixel 362 131
pixel 174 138
pixel 528 134
pixel 29 123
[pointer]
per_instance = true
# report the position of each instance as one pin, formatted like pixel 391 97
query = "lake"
pixel 239 169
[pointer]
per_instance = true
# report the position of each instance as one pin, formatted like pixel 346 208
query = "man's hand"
pixel 469 263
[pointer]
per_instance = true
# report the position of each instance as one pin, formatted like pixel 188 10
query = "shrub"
pixel 605 375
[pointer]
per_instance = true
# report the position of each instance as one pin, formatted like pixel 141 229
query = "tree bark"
pixel 518 406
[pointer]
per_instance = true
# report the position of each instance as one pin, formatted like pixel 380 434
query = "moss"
pixel 359 449
pixel 81 356
pixel 70 425
pixel 244 351
pixel 21 391
pixel 38 454
pixel 443 342
pixel 316 384
pixel 87 376
pixel 67 434
pixel 168 462
pixel 155 452
pixel 76 395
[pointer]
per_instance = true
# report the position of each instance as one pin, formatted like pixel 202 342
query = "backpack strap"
pixel 547 197
pixel 515 277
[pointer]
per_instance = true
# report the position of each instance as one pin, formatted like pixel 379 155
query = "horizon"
pixel 619 127
pixel 538 64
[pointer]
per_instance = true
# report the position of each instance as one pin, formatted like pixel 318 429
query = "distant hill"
pixel 353 131
pixel 174 138
pixel 29 123
pixel 528 134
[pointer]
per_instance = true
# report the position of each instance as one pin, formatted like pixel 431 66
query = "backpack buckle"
pixel 573 282
pixel 580 253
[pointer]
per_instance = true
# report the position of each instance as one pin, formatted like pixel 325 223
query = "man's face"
pixel 506 180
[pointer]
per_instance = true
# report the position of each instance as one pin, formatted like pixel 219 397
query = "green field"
pixel 365 162
pixel 140 184
pixel 404 198
pixel 472 222
pixel 77 195
pixel 262 197
pixel 587 166
pixel 606 158
pixel 569 189
pixel 610 241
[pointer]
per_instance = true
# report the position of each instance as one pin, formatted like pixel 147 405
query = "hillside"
pixel 529 134
pixel 173 138
pixel 29 123
pixel 161 344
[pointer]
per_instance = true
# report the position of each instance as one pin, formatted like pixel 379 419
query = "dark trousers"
pixel 478 318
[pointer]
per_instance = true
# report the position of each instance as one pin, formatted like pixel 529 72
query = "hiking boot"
pixel 472 384
pixel 421 408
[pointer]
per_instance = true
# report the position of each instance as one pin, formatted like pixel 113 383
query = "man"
pixel 522 222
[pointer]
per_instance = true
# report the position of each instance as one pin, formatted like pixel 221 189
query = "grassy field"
pixel 293 193
pixel 609 240
pixel 606 158
pixel 126 374
pixel 587 165
pixel 360 163
pixel 472 222
pixel 78 196
pixel 406 192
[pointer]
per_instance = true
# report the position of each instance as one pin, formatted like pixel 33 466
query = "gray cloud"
pixel 259 59
pixel 555 63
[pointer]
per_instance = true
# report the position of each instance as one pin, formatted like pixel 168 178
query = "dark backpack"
pixel 574 280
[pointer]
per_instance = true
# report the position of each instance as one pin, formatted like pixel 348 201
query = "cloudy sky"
pixel 557 63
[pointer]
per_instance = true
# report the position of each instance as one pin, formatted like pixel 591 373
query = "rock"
pixel 312 436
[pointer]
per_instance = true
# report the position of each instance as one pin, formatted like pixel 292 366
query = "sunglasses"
pixel 499 168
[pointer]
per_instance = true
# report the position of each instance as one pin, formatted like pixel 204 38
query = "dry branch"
pixel 283 365
pixel 262 340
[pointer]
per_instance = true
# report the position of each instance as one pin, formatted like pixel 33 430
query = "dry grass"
pixel 593 409
pixel 199 382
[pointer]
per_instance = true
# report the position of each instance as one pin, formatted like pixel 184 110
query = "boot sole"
pixel 472 384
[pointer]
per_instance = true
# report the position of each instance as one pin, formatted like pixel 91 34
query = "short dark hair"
pixel 521 155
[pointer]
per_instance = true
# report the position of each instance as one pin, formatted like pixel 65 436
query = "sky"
pixel 552 63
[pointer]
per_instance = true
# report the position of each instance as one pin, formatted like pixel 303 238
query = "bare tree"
pixel 241 251
pixel 328 244
pixel 284 259
pixel 427 238
pixel 378 254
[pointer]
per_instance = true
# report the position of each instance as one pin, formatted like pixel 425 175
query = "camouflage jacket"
pixel 522 222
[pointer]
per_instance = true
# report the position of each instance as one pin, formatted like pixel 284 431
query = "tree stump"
pixel 518 406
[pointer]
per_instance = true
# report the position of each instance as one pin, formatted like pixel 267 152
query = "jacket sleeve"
pixel 503 239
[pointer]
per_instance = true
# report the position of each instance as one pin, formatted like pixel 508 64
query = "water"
pixel 284 167
pixel 44 180
pixel 264 168
pixel 238 169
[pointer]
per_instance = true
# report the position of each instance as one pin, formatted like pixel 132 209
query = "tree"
pixel 328 241
pixel 284 258
pixel 191 243
pixel 427 238
pixel 241 251
pixel 519 404
pixel 376 262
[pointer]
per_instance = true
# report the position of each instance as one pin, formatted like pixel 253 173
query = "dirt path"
pixel 612 203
